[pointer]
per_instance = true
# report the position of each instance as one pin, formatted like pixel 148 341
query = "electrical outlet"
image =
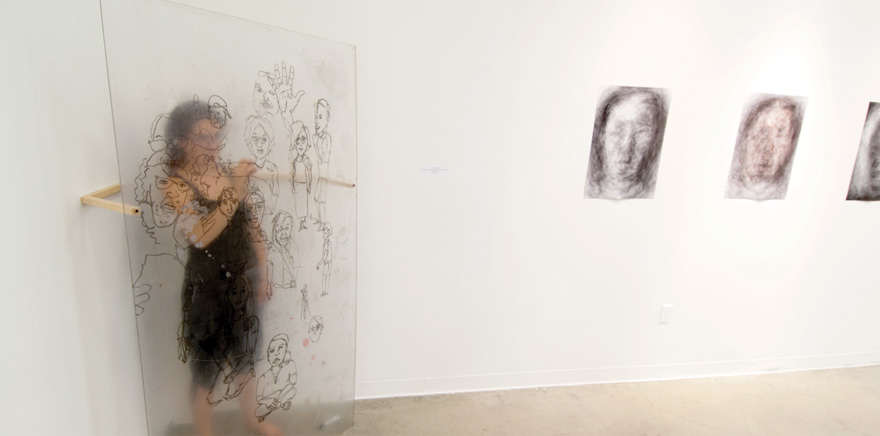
pixel 665 313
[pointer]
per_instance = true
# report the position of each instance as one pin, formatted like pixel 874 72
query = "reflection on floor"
pixel 835 402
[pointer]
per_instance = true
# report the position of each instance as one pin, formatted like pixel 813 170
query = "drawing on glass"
pixel 627 137
pixel 865 182
pixel 765 145
pixel 326 259
pixel 277 386
pixel 323 144
pixel 302 170
pixel 260 139
pixel 217 151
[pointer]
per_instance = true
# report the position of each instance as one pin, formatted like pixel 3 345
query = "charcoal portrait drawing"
pixel 627 136
pixel 765 146
pixel 865 182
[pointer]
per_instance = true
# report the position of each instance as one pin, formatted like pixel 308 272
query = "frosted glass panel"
pixel 238 142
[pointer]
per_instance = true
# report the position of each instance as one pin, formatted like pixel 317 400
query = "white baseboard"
pixel 520 380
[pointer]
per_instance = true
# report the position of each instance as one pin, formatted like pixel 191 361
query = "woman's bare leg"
pixel 201 411
pixel 249 406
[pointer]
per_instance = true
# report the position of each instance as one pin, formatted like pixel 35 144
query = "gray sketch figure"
pixel 323 144
pixel 627 137
pixel 865 182
pixel 765 146
pixel 316 327
pixel 282 271
pixel 302 170
pixel 218 111
pixel 260 138
pixel 305 313
pixel 256 205
pixel 277 386
pixel 326 259
pixel 160 198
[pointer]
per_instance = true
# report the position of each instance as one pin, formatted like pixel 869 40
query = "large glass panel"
pixel 238 142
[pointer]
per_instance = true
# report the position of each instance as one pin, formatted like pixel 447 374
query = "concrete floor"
pixel 837 402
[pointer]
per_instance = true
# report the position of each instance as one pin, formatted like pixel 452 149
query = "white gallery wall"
pixel 494 272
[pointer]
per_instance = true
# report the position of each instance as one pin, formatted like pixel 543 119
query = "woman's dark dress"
pixel 209 332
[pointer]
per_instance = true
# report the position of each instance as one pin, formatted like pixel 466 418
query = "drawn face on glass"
pixel 321 118
pixel 259 142
pixel 255 205
pixel 265 99
pixel 629 133
pixel 768 144
pixel 283 229
pixel 203 135
pixel 218 117
pixel 276 352
pixel 238 295
pixel 301 142
pixel 228 203
pixel 167 197
pixel 316 327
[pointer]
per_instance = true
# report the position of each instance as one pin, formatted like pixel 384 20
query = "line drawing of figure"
pixel 316 327
pixel 282 269
pixel 323 144
pixel 277 386
pixel 627 138
pixel 765 146
pixel 865 182
pixel 260 139
pixel 301 179
pixel 160 198
pixel 236 370
pixel 305 313
pixel 326 259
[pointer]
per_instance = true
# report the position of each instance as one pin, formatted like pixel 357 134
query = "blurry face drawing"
pixel 282 232
pixel 768 144
pixel 167 197
pixel 259 143
pixel 316 327
pixel 218 117
pixel 321 118
pixel 265 99
pixel 301 142
pixel 627 138
pixel 228 205
pixel 276 352
pixel 238 296
pixel 255 205
pixel 203 135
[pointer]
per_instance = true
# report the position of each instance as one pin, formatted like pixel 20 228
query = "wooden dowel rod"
pixel 97 199
pixel 267 175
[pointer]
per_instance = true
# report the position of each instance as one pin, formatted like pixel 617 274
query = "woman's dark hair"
pixel 180 123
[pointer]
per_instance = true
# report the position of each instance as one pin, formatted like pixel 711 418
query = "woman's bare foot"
pixel 266 429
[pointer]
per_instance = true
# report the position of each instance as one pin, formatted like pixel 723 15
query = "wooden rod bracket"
pixel 98 198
